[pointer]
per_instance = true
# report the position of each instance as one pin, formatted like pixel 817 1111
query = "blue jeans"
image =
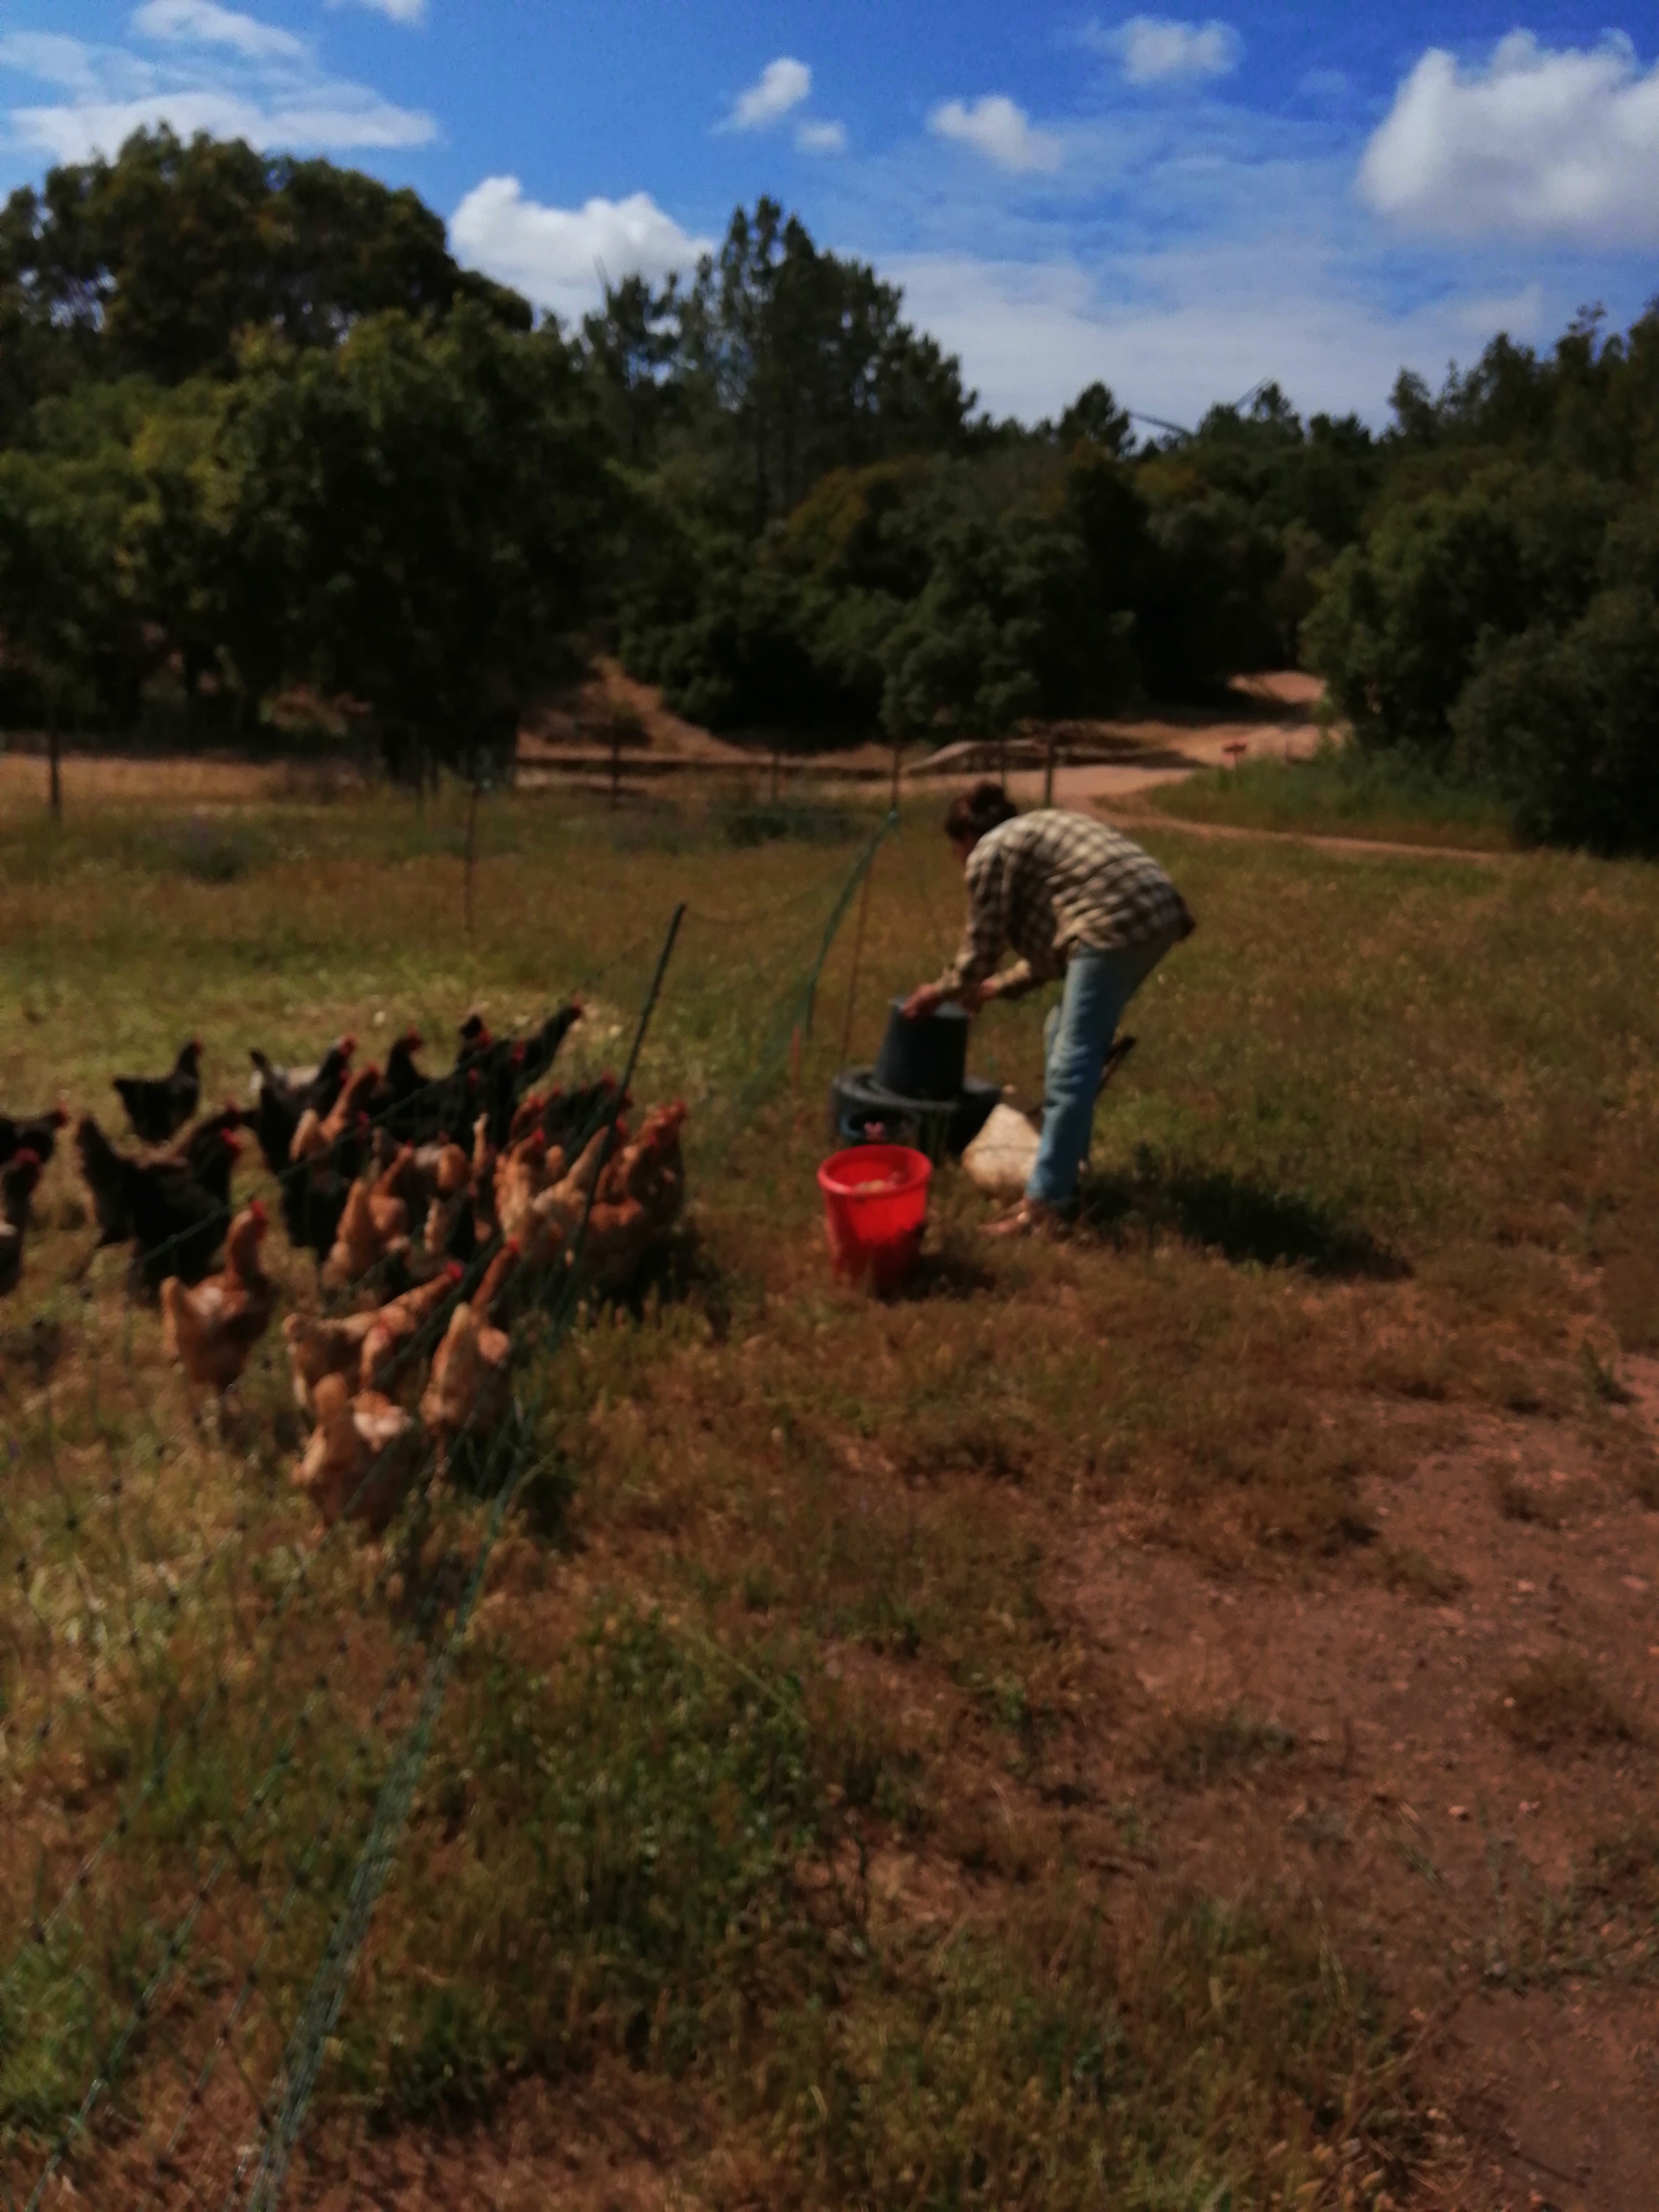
pixel 1077 1037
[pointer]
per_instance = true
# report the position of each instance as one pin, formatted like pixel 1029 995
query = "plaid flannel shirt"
pixel 1051 883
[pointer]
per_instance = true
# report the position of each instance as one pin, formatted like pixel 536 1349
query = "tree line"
pixel 262 439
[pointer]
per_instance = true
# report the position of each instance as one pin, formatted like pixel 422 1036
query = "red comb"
pixel 454 1270
pixel 257 1210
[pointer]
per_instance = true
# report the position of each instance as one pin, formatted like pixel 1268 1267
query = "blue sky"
pixel 1180 205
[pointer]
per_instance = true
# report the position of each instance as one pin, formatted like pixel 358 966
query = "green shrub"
pixel 1566 725
pixel 1408 614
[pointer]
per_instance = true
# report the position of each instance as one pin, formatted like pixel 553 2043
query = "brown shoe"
pixel 1031 1217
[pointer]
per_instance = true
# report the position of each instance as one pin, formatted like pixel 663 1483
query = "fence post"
pixel 1048 773
pixel 54 777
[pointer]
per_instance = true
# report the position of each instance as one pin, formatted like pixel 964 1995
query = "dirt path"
pixel 1386 1785
pixel 1144 817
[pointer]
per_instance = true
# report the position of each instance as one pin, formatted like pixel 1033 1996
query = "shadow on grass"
pixel 1235 1216
pixel 679 1268
pixel 945 1274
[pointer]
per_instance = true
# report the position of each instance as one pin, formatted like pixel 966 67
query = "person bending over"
pixel 1072 899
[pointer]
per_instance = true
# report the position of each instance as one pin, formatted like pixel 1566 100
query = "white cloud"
pixel 400 11
pixel 213 69
pixel 821 137
pixel 780 86
pixel 336 117
pixel 206 22
pixel 1539 144
pixel 50 58
pixel 993 127
pixel 1176 332
pixel 1157 49
pixel 555 255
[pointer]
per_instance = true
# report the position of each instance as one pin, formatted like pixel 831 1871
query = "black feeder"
pixel 919 1092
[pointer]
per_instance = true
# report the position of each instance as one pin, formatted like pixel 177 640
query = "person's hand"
pixel 973 996
pixel 922 1000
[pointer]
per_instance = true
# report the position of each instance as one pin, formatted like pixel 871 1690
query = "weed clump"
pixel 206 850
pixel 1405 1568
pixel 1061 2068
pixel 1527 1502
pixel 1192 1749
pixel 1625 1873
pixel 752 824
pixel 606 1857
pixel 965 1444
pixel 1556 1702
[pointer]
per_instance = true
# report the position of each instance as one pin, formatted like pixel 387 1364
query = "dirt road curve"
pixel 1132 819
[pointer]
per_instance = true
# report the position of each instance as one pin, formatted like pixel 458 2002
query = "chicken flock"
pixel 436 1209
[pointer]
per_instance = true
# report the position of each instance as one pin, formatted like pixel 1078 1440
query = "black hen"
pixel 208 1157
pixel 17 1181
pixel 409 1102
pixel 314 1193
pixel 105 1171
pixel 322 1093
pixel 502 1072
pixel 180 1214
pixel 195 1146
pixel 276 1117
pixel 541 1049
pixel 159 1105
pixel 175 1208
pixel 570 1117
pixel 39 1135
pixel 283 1098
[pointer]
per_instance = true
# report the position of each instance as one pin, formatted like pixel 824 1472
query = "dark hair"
pixel 973 814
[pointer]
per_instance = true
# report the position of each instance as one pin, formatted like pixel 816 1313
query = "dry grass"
pixel 1406 1567
pixel 792 1610
pixel 102 780
pixel 1558 1703
pixel 1194 1748
pixel 1343 792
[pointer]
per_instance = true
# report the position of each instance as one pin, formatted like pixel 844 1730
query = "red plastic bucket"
pixel 875 1209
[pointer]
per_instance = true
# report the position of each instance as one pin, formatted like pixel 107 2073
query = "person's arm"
pixel 968 979
pixel 1012 983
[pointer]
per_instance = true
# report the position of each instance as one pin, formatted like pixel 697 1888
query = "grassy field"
pixel 1342 792
pixel 1163 1721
